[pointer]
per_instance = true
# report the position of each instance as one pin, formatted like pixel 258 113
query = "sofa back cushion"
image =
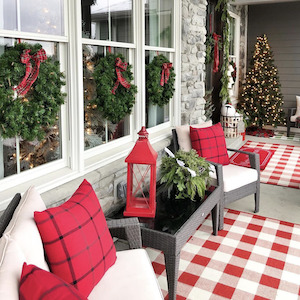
pixel 36 284
pixel 210 143
pixel 78 244
pixel 23 230
pixel 11 261
pixel 183 135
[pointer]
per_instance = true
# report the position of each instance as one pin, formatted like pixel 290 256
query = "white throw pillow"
pixel 183 135
pixel 11 262
pixel 23 230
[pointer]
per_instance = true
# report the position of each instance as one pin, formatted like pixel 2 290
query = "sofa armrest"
pixel 8 212
pixel 253 158
pixel 127 229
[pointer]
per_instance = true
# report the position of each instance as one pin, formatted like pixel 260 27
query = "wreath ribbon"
pixel 216 52
pixel 120 67
pixel 165 73
pixel 31 74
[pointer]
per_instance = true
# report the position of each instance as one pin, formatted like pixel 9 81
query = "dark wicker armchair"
pixel 243 189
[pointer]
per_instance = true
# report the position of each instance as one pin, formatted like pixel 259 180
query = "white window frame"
pixel 236 56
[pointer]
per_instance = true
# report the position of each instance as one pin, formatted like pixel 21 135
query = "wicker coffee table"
pixel 175 222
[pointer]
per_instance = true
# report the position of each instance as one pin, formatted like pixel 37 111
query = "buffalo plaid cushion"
pixel 77 242
pixel 36 283
pixel 210 143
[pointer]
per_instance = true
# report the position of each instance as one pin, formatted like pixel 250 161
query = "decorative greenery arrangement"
pixel 187 172
pixel 28 115
pixel 261 96
pixel 225 17
pixel 160 79
pixel 115 92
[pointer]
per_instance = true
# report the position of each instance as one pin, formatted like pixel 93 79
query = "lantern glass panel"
pixel 141 180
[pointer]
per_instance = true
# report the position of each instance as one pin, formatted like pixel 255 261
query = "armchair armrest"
pixel 127 229
pixel 219 173
pixel 291 112
pixel 253 158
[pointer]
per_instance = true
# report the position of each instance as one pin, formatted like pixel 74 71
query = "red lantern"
pixel 141 178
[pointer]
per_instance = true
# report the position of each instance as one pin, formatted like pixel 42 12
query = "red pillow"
pixel 210 143
pixel 77 242
pixel 36 284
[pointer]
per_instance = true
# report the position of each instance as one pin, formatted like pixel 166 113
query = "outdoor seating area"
pixel 149 149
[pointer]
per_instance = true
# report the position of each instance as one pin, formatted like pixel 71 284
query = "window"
pixel 77 34
pixel 44 20
pixel 158 40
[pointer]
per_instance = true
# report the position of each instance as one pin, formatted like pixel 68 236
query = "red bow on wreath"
pixel 216 52
pixel 30 74
pixel 165 73
pixel 120 67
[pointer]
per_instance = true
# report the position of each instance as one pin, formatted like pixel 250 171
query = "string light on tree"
pixel 261 97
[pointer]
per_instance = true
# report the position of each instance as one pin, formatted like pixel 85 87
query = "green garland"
pixel 156 93
pixel 114 107
pixel 210 48
pixel 225 17
pixel 28 115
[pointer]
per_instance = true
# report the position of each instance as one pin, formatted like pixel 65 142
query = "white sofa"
pixel 131 277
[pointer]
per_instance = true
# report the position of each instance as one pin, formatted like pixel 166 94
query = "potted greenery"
pixel 185 172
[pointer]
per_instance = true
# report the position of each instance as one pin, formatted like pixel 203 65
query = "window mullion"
pixel 76 121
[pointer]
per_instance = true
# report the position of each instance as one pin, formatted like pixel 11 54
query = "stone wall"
pixel 192 61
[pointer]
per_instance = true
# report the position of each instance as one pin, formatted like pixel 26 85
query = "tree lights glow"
pixel 261 96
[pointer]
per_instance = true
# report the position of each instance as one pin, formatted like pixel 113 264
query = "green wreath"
pixel 157 93
pixel 114 106
pixel 27 116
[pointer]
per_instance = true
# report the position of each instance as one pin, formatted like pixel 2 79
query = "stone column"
pixel 192 61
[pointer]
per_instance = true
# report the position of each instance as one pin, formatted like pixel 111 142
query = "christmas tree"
pixel 261 96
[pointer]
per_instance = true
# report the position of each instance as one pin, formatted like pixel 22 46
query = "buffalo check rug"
pixel 253 257
pixel 284 166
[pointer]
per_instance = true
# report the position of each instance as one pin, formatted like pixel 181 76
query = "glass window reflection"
pixel 159 23
pixel 107 20
pixel 43 16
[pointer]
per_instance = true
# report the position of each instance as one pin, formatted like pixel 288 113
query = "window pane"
pixel 97 130
pixel 107 20
pixel 8 15
pixel 159 23
pixel 43 16
pixel 17 154
pixel 155 115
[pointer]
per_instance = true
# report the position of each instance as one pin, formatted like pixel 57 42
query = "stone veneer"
pixel 192 61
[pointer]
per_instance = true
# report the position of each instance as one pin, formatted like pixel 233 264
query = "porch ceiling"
pixel 249 2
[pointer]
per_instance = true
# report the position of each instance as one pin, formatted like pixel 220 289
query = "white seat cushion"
pixel 234 176
pixel 131 277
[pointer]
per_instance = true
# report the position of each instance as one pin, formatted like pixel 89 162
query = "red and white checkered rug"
pixel 284 166
pixel 254 257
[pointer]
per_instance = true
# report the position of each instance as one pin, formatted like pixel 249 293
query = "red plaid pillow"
pixel 77 242
pixel 36 283
pixel 210 143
